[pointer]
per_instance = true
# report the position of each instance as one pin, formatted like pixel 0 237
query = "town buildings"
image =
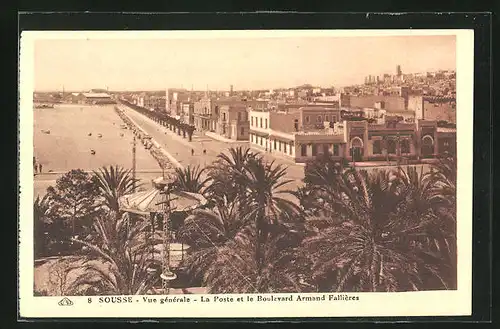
pixel 353 140
pixel 174 98
pixel 90 98
pixel 392 116
pixel 226 116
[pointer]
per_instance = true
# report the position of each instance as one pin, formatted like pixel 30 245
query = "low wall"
pixel 161 155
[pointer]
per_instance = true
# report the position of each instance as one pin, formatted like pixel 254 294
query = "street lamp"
pixel 398 148
pixel 162 199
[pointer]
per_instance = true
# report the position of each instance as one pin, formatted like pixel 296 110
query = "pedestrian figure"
pixel 192 152
pixel 40 168
pixel 204 151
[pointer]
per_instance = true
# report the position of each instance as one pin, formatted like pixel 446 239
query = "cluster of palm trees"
pixel 384 230
pixel 350 230
pixel 114 255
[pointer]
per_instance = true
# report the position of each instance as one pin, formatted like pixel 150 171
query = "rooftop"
pixel 96 95
pixel 446 130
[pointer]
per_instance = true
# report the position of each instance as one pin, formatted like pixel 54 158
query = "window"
pixel 251 138
pixel 319 119
pixel 314 149
pixel 377 147
pixel 290 148
pixel 266 124
pixel 391 146
pixel 279 146
pixel 251 122
pixel 327 118
pixel 303 150
pixel 242 131
pixel 261 141
pixel 239 116
pixel 274 145
pixel 261 122
pixel 325 149
pixel 308 119
pixel 224 116
pixel 336 149
pixel 296 124
pixel 405 146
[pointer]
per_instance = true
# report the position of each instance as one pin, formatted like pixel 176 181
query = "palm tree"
pixel 320 180
pixel 444 196
pixel 208 230
pixel 323 171
pixel 190 179
pixel 236 270
pixel 114 182
pixel 119 259
pixel 227 171
pixel 42 221
pixel 245 197
pixel 445 172
pixel 416 186
pixel 376 246
pixel 262 181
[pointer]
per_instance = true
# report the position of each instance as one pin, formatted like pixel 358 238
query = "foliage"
pixel 384 230
pixel 190 179
pixel 207 230
pixel 227 171
pixel 124 252
pixel 236 270
pixel 43 223
pixel 382 242
pixel 246 214
pixel 114 182
pixel 75 199
pixel 320 178
pixel 262 201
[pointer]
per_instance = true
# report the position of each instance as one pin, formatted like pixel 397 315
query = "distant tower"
pixel 231 91
pixel 398 70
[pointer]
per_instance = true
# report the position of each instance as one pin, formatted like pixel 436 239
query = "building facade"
pixel 433 108
pixel 187 113
pixel 354 140
pixel 204 114
pixel 232 122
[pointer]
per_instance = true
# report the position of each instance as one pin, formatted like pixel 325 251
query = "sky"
pixel 245 63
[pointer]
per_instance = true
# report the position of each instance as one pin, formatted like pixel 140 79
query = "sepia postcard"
pixel 238 174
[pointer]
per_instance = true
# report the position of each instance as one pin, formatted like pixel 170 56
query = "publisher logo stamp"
pixel 65 302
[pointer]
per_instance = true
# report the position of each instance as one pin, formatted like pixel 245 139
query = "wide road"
pixel 180 148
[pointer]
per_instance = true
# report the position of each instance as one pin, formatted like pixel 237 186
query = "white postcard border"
pixel 427 303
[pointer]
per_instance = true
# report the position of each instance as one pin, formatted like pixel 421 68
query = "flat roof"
pixel 96 95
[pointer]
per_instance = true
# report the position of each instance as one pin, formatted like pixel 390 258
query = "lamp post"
pixel 134 142
pixel 398 148
pixel 166 274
